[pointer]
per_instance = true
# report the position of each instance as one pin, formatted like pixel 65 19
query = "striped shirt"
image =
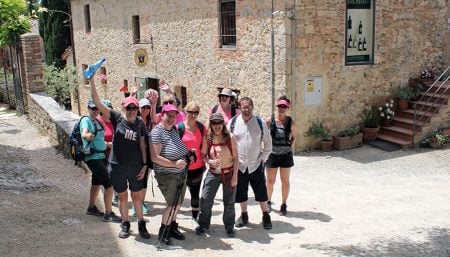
pixel 172 148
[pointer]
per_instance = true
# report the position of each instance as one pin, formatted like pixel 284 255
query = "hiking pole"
pixel 167 228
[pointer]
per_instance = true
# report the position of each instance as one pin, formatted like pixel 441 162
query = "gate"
pixel 15 53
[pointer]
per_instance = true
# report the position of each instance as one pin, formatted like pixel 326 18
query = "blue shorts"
pixel 257 181
pixel 123 175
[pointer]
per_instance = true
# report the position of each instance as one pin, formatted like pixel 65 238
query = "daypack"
pixel 233 110
pixel 260 123
pixel 181 128
pixel 77 150
pixel 287 128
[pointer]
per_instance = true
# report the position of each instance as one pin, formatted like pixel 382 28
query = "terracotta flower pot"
pixel 403 104
pixel 325 145
pixel 369 134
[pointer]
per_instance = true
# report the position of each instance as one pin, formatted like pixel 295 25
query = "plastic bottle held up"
pixel 90 71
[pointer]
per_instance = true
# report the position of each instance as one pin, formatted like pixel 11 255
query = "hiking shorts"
pixel 170 184
pixel 99 172
pixel 257 181
pixel 280 160
pixel 121 175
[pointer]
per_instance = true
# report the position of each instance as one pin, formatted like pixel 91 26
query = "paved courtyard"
pixel 359 202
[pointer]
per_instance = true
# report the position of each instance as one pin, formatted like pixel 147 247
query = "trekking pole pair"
pixel 168 226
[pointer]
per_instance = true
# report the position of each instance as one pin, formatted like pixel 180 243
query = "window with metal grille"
pixel 136 29
pixel 227 23
pixel 87 19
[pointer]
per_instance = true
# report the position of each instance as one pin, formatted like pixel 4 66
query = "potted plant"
pixel 403 95
pixel 348 138
pixel 318 131
pixel 371 123
pixel 387 113
pixel 437 139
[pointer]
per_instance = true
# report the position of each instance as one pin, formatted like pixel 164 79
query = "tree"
pixel 55 30
pixel 13 21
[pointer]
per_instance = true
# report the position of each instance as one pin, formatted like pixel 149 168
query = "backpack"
pixel 287 128
pixel 233 110
pixel 181 128
pixel 258 119
pixel 77 150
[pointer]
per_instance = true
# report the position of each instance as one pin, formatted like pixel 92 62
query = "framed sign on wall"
pixel 359 32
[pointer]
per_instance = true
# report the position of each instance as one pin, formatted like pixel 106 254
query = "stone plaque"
pixel 141 57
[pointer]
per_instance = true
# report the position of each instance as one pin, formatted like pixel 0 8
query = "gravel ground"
pixel 359 202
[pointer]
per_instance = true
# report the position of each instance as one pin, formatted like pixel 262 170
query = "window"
pixel 360 31
pixel 227 23
pixel 87 19
pixel 84 67
pixel 136 29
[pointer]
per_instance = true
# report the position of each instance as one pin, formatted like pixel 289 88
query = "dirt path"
pixel 361 202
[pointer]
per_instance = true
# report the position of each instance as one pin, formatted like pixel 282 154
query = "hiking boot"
pixel 269 206
pixel 267 223
pixel 115 200
pixel 163 235
pixel 242 221
pixel 112 217
pixel 145 209
pixel 175 232
pixel 125 229
pixel 230 232
pixel 199 230
pixel 143 230
pixel 133 212
pixel 94 211
pixel 283 209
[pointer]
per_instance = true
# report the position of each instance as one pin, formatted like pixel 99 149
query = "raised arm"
pixel 103 108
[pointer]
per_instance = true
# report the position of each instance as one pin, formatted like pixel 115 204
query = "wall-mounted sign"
pixel 359 36
pixel 141 57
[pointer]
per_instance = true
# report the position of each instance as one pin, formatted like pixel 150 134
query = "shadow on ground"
pixel 436 245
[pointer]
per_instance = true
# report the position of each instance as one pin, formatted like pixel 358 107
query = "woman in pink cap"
pixel 169 156
pixel 283 131
pixel 128 158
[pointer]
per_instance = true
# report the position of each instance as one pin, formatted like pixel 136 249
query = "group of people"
pixel 235 149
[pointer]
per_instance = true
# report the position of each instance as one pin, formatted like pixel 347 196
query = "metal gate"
pixel 15 53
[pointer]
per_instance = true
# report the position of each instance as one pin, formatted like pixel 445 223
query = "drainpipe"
pixel 272 52
pixel 293 55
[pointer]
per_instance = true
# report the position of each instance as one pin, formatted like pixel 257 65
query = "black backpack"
pixel 77 150
pixel 180 128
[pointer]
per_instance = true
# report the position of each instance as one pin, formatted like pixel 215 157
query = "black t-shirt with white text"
pixel 126 149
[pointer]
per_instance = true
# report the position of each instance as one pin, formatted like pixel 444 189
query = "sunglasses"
pixel 282 106
pixel 167 102
pixel 216 122
pixel 193 112
pixel 131 108
pixel 146 107
pixel 93 108
pixel 226 96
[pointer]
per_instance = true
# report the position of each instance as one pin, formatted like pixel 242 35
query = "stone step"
pixel 394 139
pixel 398 132
pixel 408 123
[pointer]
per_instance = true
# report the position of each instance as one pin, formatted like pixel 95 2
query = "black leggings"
pixel 194 180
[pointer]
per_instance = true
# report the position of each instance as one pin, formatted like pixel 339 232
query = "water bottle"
pixel 90 71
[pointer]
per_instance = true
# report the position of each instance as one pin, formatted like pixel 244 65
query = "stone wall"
pixel 46 114
pixel 182 42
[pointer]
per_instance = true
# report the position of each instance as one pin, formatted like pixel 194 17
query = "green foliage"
pixel 59 83
pixel 13 21
pixel 55 30
pixel 403 93
pixel 348 132
pixel 371 117
pixel 319 131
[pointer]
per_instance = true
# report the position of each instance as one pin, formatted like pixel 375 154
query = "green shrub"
pixel 319 131
pixel 59 83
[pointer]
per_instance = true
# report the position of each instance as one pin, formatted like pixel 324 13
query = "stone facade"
pixel 182 42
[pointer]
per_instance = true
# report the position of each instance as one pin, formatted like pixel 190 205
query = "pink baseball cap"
pixel 281 102
pixel 130 100
pixel 168 108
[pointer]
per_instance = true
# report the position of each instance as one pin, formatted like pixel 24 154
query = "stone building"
pixel 264 49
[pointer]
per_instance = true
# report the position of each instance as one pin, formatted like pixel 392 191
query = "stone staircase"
pixel 432 102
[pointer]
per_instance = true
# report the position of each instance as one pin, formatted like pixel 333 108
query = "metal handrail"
pixel 442 84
